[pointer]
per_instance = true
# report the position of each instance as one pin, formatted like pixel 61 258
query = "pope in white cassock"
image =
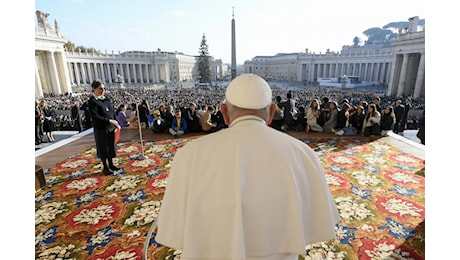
pixel 248 191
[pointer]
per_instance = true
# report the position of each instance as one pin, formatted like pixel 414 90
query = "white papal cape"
pixel 248 190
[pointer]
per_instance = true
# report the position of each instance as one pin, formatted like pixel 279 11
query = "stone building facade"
pixel 60 71
pixel 400 65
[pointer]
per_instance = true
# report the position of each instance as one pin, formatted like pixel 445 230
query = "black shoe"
pixel 107 171
pixel 114 168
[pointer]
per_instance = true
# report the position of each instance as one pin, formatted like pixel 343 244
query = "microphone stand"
pixel 139 156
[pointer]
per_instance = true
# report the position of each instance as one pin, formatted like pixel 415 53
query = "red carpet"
pixel 86 215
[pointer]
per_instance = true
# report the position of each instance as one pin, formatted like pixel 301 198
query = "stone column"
pixel 65 82
pixel 402 76
pixel 101 72
pixel 71 73
pixel 91 72
pixel 147 72
pixel 84 73
pixel 54 74
pixel 77 73
pixel 114 73
pixel 387 72
pixel 109 73
pixel 420 77
pixel 135 73
pixel 366 71
pixel 378 72
pixel 167 73
pixel 128 68
pixel 38 84
pixel 141 74
pixel 336 72
pixel 156 78
pixel 122 72
pixel 394 76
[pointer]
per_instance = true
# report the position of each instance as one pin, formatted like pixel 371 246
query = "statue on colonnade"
pixel 42 19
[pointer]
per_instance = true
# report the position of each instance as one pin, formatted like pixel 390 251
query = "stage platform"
pixel 51 154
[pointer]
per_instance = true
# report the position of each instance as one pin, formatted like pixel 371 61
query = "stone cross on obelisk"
pixel 233 45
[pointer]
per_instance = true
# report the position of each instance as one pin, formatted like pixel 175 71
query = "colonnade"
pixel 408 77
pixel 83 72
pixel 366 71
pixel 51 76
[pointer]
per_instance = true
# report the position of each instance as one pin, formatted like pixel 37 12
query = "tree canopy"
pixel 70 46
pixel 386 33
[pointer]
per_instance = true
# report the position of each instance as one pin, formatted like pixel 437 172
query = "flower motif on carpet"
pixel 100 239
pixel 362 193
pixel 355 147
pixel 380 146
pixel 47 196
pixel 405 178
pixel 128 149
pixel 168 254
pixel 136 196
pixel 366 179
pixel 154 172
pixel 336 168
pixel 351 209
pixel 323 250
pixel 343 160
pixel 83 214
pixel 73 164
pixel 345 234
pixel 405 159
pixel 60 251
pixel 118 252
pixel 48 212
pixel 87 198
pixel 144 163
pixel 400 207
pixel 157 148
pixel 96 215
pixel 375 159
pixel 82 185
pixel 336 181
pixel 403 191
pixel 397 229
pixel 158 183
pixel 124 183
pixel 371 168
pixel 144 214
pixel 46 237
pixel 385 248
pixel 54 179
pixel 76 174
pixel 405 167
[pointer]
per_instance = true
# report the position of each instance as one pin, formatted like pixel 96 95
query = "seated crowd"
pixel 344 112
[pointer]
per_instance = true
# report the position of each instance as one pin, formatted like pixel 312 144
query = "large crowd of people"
pixel 311 109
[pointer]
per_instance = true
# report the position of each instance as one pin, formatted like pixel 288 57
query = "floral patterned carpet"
pixel 83 214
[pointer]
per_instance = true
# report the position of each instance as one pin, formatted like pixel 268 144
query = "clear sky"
pixel 263 27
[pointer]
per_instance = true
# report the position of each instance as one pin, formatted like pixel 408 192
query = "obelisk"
pixel 233 45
